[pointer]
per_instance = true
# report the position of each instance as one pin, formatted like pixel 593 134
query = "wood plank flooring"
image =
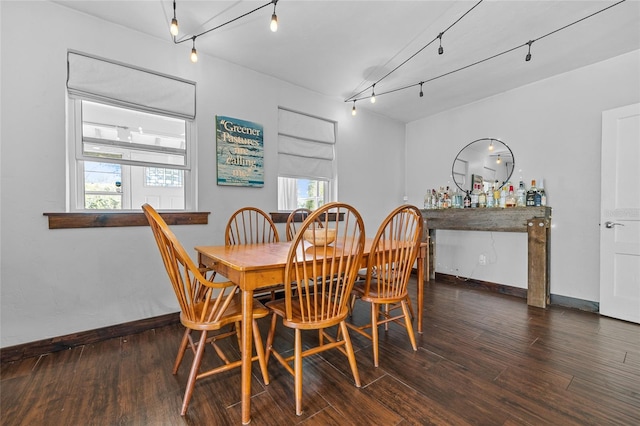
pixel 483 359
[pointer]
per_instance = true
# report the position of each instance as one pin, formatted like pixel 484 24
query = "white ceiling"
pixel 340 48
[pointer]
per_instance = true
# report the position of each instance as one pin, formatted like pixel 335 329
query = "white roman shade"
pixel 305 146
pixel 123 85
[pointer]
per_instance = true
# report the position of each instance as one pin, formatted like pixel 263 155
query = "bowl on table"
pixel 320 236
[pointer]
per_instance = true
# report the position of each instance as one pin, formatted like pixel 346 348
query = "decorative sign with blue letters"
pixel 240 152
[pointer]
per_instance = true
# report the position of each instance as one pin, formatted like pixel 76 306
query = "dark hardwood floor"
pixel 484 359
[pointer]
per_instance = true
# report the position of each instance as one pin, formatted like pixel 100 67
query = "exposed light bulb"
pixel 491 146
pixel 174 27
pixel 194 52
pixel 499 160
pixel 274 18
pixel 373 94
pixel 353 110
pixel 174 22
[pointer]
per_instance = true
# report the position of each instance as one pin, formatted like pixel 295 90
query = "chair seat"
pixel 374 295
pixel 278 308
pixel 232 314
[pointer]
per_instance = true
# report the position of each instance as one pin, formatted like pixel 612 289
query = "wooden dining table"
pixel 260 266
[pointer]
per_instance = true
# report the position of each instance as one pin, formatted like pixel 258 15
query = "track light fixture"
pixel 174 22
pixel 194 53
pixel 361 94
pixel 528 57
pixel 274 18
pixel 353 110
pixel 491 146
pixel 373 94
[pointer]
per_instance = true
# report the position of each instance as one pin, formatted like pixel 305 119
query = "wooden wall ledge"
pixel 118 219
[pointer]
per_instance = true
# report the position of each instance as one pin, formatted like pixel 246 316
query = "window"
pixel 163 177
pixel 129 137
pixel 306 161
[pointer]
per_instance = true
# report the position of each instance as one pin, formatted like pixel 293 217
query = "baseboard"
pixel 482 285
pixel 572 302
pixel 555 299
pixel 54 344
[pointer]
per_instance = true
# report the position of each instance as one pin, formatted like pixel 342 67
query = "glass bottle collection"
pixel 487 196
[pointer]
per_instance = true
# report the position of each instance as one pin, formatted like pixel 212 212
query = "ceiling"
pixel 340 48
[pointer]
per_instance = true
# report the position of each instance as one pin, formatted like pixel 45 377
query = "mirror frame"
pixel 469 173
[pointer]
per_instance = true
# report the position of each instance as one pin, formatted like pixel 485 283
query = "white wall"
pixel 56 282
pixel 554 129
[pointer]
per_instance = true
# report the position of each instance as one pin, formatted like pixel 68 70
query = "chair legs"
pixel 408 325
pixel 194 372
pixel 350 353
pixel 181 350
pixel 297 368
pixel 299 354
pixel 385 318
pixel 374 332
pixel 262 360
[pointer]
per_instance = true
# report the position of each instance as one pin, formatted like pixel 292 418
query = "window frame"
pixel 331 190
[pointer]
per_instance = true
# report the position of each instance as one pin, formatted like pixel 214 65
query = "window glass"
pixel 155 176
pixel 125 158
pixel 296 193
pixel 102 185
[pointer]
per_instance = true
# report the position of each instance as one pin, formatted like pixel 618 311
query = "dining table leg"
pixel 247 318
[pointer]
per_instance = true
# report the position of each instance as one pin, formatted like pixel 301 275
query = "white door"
pixel 620 214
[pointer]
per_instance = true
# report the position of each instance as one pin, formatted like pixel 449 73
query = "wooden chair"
pixel 393 253
pixel 250 225
pixel 301 213
pixel 204 305
pixel 323 275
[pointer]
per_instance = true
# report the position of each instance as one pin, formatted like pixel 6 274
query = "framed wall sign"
pixel 240 152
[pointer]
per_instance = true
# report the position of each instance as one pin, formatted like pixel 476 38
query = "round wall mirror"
pixel 484 161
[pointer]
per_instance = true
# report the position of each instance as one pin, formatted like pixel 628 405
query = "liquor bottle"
pixel 496 195
pixel 482 198
pixel 521 195
pixel 456 199
pixel 511 200
pixel 503 194
pixel 474 196
pixel 447 199
pixel 531 194
pixel 542 195
pixel 490 199
pixel 467 201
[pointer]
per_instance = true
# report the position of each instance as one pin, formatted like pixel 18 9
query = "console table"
pixel 535 221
